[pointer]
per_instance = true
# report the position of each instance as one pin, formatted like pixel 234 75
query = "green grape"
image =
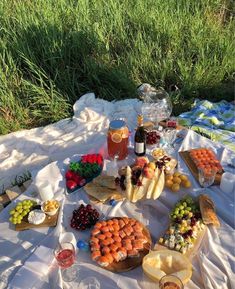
pixel 188 209
pixel 14 221
pixel 24 202
pixel 185 204
pixel 176 211
pixel 182 212
pixel 181 207
pixel 24 213
pixel 174 216
pixel 20 211
pixel 186 212
pixel 19 219
pixel 16 214
pixel 12 212
pixel 25 206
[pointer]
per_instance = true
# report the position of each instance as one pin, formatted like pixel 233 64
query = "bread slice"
pixel 207 208
pixel 105 181
pixel 101 193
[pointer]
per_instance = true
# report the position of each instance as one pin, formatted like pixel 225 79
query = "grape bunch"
pixel 21 210
pixel 186 209
pixel 152 137
pixel 84 217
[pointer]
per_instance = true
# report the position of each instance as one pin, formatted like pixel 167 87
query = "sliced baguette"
pixel 207 209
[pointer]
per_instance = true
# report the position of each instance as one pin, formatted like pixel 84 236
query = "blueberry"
pixel 112 202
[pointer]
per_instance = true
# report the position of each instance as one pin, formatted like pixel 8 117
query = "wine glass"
pixel 206 177
pixel 169 135
pixel 170 282
pixel 65 256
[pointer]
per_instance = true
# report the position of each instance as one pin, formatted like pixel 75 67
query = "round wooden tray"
pixel 133 262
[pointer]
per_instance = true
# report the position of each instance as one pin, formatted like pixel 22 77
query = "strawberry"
pixel 70 184
pixel 69 175
pixel 76 178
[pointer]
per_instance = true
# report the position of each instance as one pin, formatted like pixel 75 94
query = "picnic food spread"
pixel 122 243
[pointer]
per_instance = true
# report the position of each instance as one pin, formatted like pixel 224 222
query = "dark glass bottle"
pixel 140 138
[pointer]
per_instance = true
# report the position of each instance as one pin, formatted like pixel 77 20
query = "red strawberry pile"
pixel 83 171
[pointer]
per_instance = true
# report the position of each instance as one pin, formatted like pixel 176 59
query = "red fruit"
pixel 70 184
pixel 69 175
pixel 76 178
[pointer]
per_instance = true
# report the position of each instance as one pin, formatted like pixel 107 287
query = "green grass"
pixel 52 52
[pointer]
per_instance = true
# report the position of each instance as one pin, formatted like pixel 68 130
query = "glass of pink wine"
pixel 65 256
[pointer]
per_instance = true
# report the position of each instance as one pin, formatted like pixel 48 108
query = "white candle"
pixel 227 182
pixel 45 191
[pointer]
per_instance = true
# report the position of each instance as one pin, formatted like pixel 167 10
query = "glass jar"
pixel 117 139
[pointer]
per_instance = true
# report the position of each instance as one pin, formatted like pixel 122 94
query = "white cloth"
pixel 86 132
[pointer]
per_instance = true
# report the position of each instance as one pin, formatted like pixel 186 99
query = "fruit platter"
pixel 202 158
pixel 29 214
pixel 119 244
pixel 81 172
pixel 144 179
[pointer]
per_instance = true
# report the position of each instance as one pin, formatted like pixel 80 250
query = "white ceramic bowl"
pixel 50 211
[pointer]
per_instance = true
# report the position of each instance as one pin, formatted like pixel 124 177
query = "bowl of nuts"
pixel 50 207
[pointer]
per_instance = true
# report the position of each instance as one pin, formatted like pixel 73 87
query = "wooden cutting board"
pixel 50 221
pixel 131 263
pixel 189 162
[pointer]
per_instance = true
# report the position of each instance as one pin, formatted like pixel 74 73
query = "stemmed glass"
pixel 206 177
pixel 169 135
pixel 65 256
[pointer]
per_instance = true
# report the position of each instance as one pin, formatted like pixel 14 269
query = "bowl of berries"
pixel 83 171
pixel 84 217
pixel 152 137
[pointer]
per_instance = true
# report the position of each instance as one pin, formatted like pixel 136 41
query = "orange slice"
pixel 116 137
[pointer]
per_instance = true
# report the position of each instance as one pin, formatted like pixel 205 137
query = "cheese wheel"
pixel 36 217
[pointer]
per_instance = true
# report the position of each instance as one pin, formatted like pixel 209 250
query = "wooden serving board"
pixel 189 162
pixel 131 263
pixel 50 221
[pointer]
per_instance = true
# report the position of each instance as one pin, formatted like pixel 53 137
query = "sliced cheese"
pixel 159 186
pixel 129 186
pixel 153 184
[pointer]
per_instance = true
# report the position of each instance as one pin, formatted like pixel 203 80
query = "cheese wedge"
pixel 140 192
pixel 100 193
pixel 153 183
pixel 129 186
pixel 159 186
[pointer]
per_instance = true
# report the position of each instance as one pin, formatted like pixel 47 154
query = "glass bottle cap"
pixel 117 124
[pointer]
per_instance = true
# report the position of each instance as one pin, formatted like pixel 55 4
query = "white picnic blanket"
pixel 20 252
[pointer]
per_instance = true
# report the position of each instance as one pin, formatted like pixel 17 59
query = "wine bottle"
pixel 140 138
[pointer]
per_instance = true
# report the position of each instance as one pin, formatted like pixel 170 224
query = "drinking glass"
pixel 170 282
pixel 169 135
pixel 206 177
pixel 65 257
pixel 89 283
